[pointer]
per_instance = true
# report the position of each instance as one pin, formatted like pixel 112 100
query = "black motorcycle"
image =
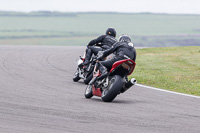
pixel 84 72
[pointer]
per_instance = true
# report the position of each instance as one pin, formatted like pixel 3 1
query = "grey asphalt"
pixel 38 95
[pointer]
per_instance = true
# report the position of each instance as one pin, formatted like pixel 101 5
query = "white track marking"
pixel 167 91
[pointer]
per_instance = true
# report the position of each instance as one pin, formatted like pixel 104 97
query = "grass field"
pixel 173 68
pixel 145 29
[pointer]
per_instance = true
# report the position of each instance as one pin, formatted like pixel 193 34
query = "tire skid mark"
pixel 54 66
pixel 8 69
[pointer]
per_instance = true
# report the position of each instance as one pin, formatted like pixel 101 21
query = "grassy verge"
pixel 57 28
pixel 173 68
pixel 36 38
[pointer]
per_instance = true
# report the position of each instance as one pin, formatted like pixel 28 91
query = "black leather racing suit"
pixel 102 43
pixel 121 50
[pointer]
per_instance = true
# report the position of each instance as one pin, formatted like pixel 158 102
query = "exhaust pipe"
pixel 129 84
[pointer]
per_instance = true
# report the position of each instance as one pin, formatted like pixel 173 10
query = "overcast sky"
pixel 155 6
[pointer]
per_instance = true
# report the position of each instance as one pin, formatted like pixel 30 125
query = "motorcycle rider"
pixel 124 49
pixel 101 43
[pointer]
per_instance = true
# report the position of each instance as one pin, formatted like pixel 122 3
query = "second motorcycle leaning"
pixel 84 72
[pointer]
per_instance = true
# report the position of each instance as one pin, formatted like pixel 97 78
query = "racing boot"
pixel 103 71
pixel 87 57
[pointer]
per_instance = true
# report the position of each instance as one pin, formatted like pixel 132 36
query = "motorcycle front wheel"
pixel 88 78
pixel 113 89
pixel 76 77
pixel 88 91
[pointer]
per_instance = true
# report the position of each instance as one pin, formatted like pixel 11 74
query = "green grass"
pixel 96 23
pixel 145 29
pixel 173 68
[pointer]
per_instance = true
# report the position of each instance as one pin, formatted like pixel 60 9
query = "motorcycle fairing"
pixel 127 64
pixel 96 92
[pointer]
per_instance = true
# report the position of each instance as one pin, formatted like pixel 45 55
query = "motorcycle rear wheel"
pixel 76 77
pixel 114 87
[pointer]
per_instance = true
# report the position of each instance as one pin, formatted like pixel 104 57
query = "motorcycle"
pixel 86 72
pixel 83 72
pixel 114 83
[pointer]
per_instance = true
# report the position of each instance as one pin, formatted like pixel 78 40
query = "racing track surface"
pixel 37 95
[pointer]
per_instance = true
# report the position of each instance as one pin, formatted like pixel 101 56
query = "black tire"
pixel 88 91
pixel 88 78
pixel 76 77
pixel 114 87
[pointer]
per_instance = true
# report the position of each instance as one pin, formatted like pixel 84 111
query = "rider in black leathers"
pixel 102 43
pixel 123 49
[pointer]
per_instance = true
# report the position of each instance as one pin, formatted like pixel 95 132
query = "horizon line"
pixel 113 12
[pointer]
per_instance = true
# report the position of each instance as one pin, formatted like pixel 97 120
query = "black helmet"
pixel 124 38
pixel 111 32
